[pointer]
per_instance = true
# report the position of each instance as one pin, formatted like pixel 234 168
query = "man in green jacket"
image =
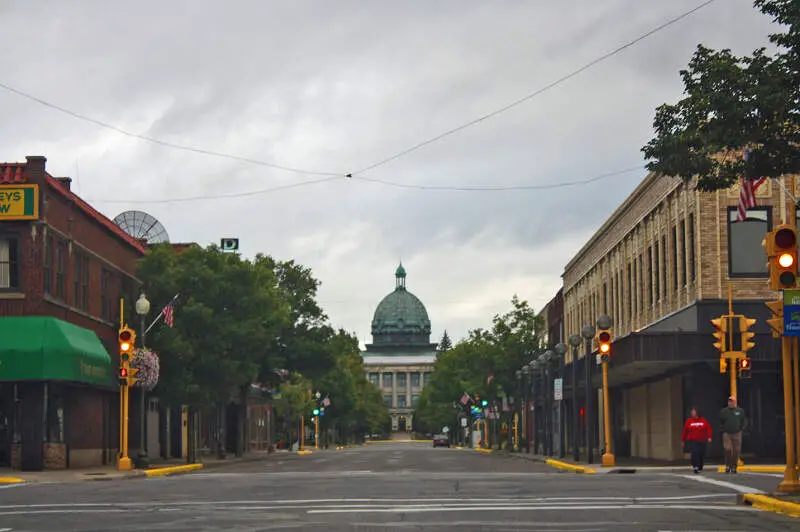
pixel 733 422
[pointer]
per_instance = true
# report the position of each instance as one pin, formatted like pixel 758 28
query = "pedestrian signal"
pixel 723 365
pixel 123 376
pixel 744 368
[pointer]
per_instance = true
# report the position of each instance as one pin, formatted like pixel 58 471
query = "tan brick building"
pixel 660 267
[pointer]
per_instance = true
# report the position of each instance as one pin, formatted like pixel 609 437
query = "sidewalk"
pixel 109 472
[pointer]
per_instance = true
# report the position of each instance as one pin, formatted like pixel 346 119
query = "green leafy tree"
pixel 733 104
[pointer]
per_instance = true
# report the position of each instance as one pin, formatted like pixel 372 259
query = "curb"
pixel 303 452
pixel 771 504
pixel 756 469
pixel 164 471
pixel 487 451
pixel 10 480
pixel 558 464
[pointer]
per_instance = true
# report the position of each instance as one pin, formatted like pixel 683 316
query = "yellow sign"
pixel 19 202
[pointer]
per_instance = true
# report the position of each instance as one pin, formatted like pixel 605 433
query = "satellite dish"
pixel 141 225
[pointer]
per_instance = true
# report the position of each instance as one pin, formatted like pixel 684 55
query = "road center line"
pixel 401 509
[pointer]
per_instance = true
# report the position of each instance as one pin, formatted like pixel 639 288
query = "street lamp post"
pixel 536 421
pixel 525 410
pixel 544 360
pixel 575 341
pixel 561 350
pixel 142 309
pixel 518 413
pixel 588 334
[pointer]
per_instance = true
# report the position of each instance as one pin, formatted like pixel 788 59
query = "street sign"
pixel 791 312
pixel 463 422
pixel 558 389
pixel 229 244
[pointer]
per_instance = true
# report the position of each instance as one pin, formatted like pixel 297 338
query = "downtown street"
pixel 394 485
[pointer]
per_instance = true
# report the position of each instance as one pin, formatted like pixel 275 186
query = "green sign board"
pixel 791 312
pixel 19 202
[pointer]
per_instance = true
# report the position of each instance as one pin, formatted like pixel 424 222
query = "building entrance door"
pixel 401 424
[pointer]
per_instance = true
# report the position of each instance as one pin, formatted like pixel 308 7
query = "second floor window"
pixel 387 380
pixel 746 256
pixel 415 380
pixel 9 263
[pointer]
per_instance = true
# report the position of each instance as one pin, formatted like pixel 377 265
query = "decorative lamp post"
pixel 526 371
pixel 142 307
pixel 518 413
pixel 575 341
pixel 545 359
pixel 561 350
pixel 588 333
pixel 535 422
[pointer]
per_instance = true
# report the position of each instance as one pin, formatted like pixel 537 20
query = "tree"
pixel 445 344
pixel 733 104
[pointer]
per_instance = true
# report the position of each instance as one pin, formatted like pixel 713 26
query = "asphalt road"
pixel 389 486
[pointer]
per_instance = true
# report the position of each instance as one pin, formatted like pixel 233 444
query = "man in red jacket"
pixel 696 434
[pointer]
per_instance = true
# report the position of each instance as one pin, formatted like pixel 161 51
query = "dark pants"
pixel 698 452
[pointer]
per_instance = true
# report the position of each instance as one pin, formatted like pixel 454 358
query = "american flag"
pixel 747 196
pixel 168 314
pixel 465 398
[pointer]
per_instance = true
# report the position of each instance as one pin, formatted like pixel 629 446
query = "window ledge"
pixel 12 295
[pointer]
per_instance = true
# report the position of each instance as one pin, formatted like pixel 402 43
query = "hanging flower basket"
pixel 146 361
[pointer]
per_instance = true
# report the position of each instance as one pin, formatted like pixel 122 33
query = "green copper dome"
pixel 401 319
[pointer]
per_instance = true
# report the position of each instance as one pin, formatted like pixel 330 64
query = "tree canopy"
pixel 483 363
pixel 239 322
pixel 735 104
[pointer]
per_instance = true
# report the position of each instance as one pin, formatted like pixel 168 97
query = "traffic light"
pixel 744 368
pixel 723 365
pixel 781 248
pixel 747 335
pixel 316 411
pixel 776 322
pixel 721 332
pixel 604 343
pixel 127 340
pixel 123 376
pixel 484 403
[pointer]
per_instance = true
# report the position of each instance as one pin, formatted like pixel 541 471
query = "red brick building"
pixel 63 268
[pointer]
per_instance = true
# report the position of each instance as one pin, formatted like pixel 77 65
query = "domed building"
pixel 400 358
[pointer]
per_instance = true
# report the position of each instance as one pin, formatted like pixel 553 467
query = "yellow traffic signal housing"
pixel 723 365
pixel 776 323
pixel 127 341
pixel 781 248
pixel 747 335
pixel 721 332
pixel 604 338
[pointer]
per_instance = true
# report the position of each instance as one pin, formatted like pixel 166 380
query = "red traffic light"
pixel 125 335
pixel 123 372
pixel 604 337
pixel 785 238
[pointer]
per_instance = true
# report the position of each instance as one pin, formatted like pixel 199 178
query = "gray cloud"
pixel 336 86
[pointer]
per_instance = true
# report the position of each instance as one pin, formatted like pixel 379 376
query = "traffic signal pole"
pixel 316 432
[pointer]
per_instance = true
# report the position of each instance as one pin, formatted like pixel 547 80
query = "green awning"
pixel 42 348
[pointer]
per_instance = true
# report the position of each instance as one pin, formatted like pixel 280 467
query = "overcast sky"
pixel 337 86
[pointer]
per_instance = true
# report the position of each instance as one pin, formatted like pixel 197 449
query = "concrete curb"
pixel 771 504
pixel 558 464
pixel 10 480
pixel 756 469
pixel 164 471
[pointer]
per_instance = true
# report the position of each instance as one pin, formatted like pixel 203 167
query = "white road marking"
pixel 359 501
pixel 411 509
pixel 722 484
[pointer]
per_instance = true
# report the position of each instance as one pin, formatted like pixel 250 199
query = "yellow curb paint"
pixel 570 467
pixel 756 469
pixel 771 504
pixel 303 452
pixel 10 480
pixel 484 450
pixel 163 471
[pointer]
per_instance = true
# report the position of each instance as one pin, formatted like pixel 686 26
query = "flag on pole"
pixel 490 379
pixel 465 398
pixel 747 196
pixel 169 314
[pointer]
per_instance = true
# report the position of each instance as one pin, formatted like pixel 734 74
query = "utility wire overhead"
pixel 377 181
pixel 166 144
pixel 532 95
pixel 413 148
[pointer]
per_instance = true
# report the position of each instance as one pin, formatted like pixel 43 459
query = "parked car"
pixel 441 440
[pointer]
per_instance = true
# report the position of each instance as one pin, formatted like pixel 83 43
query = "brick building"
pixel 63 268
pixel 660 267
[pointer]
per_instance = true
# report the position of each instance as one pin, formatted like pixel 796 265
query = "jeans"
pixel 698 452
